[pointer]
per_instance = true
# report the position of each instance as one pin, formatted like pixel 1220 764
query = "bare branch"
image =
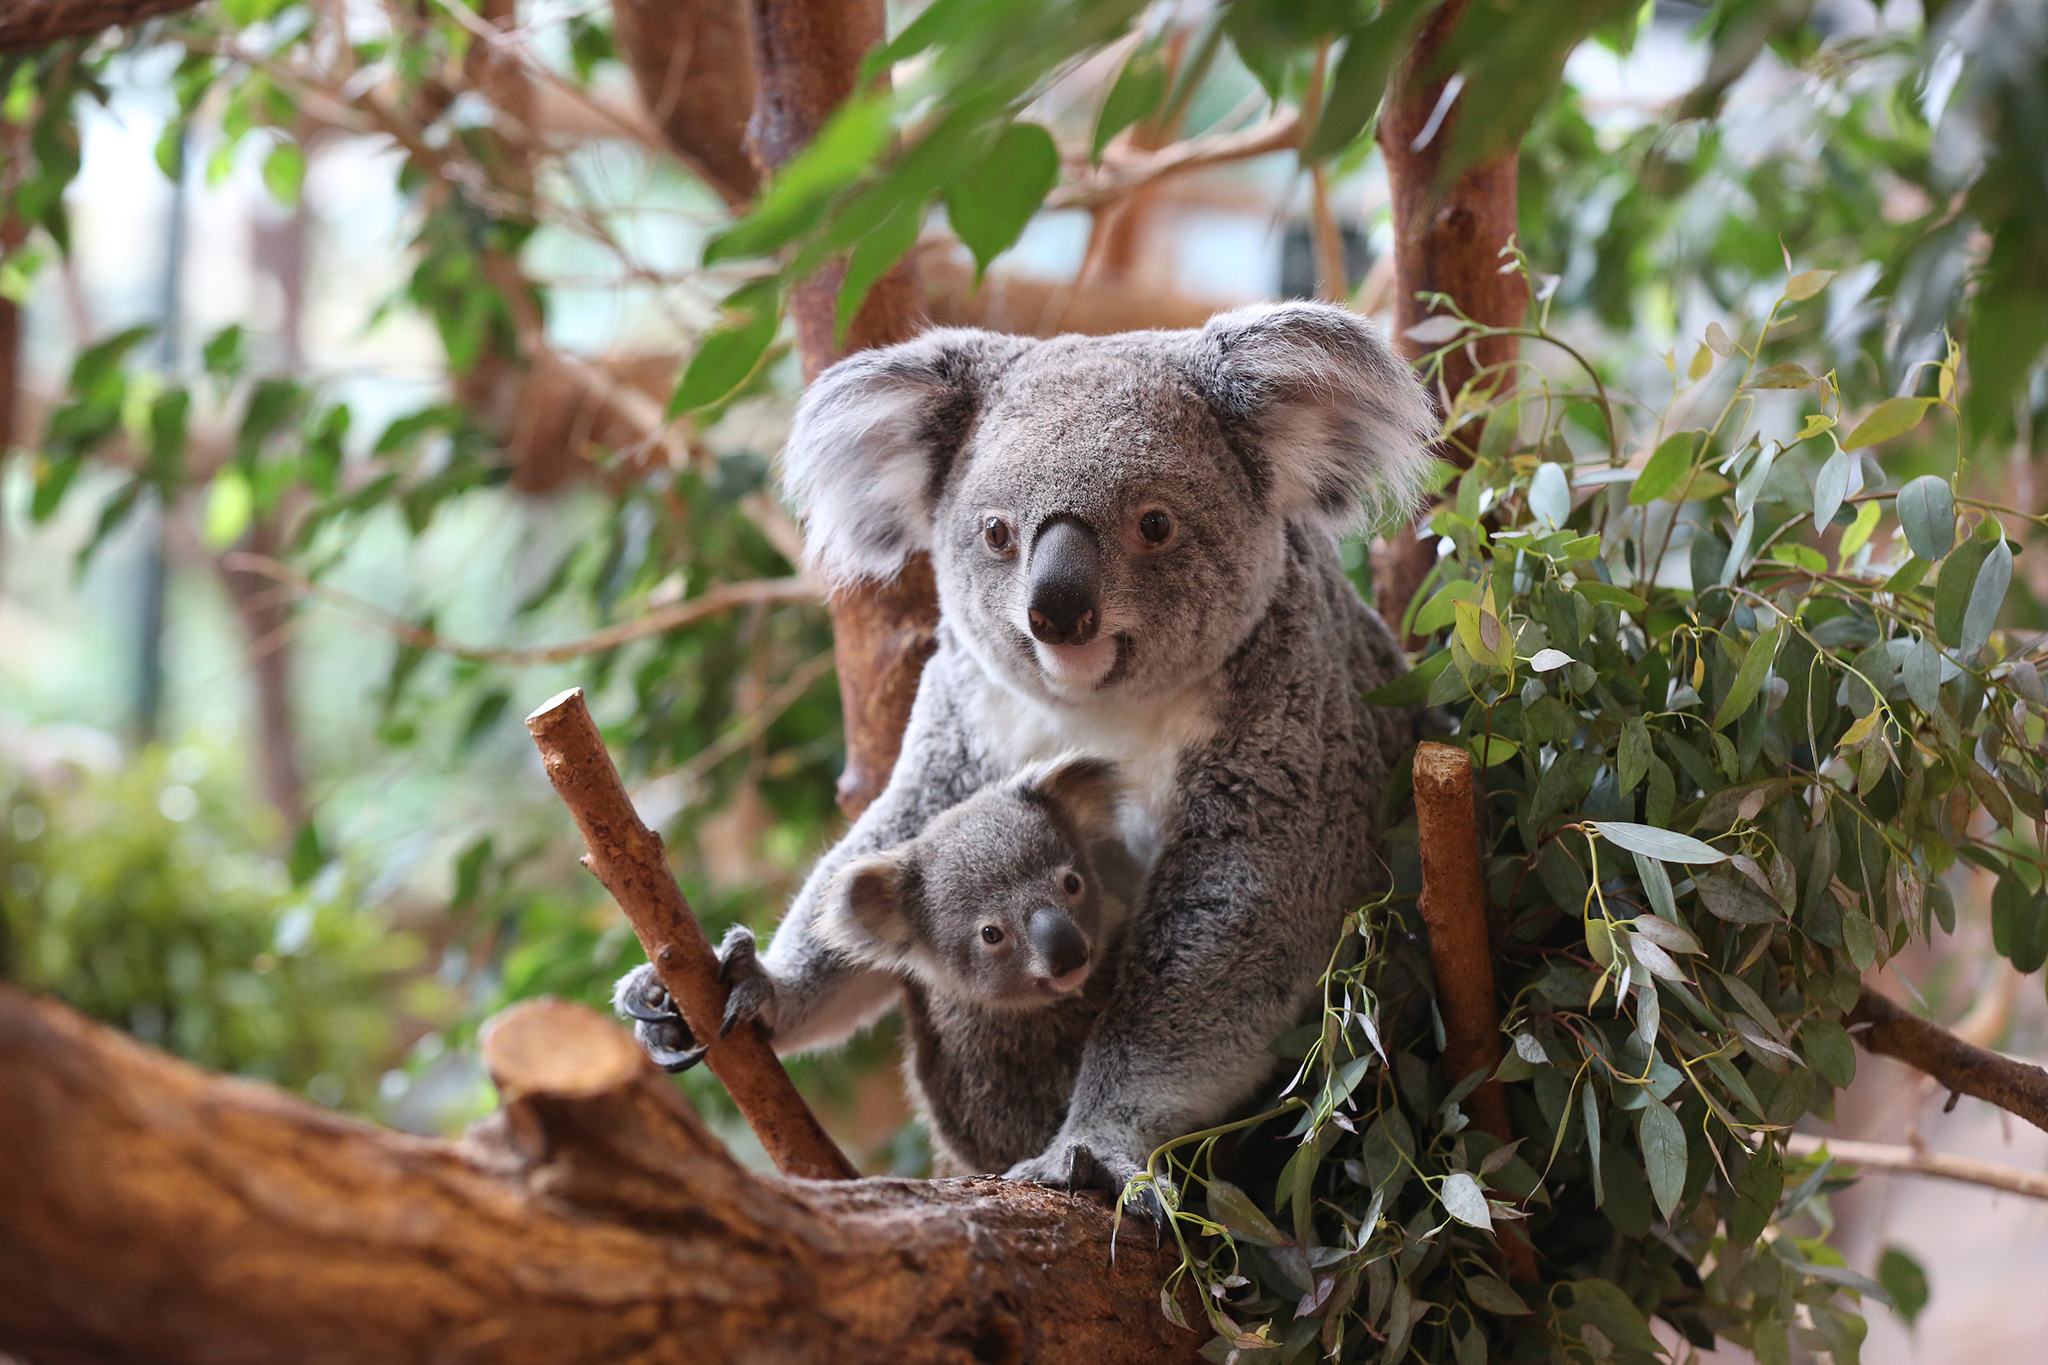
pixel 627 857
pixel 1872 1156
pixel 1118 176
pixel 2017 1087
pixel 723 597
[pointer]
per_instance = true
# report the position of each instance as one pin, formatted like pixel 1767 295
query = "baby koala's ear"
pixel 1089 790
pixel 862 911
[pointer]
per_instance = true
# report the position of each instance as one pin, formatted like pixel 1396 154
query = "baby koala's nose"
pixel 1058 941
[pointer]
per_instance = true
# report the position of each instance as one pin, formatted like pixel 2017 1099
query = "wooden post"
pixel 1454 907
pixel 627 858
pixel 807 60
pixel 1447 240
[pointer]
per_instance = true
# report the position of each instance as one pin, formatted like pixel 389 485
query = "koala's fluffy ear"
pixel 862 915
pixel 1089 790
pixel 1330 421
pixel 874 439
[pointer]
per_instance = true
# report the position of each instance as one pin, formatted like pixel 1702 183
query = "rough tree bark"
pixel 807 60
pixel 1447 240
pixel 157 1214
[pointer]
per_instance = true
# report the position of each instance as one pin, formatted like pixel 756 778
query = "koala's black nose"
pixel 1066 584
pixel 1058 941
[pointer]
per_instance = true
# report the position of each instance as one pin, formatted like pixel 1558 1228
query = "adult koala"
pixel 1135 540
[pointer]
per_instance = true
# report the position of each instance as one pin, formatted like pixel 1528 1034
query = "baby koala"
pixel 1004 916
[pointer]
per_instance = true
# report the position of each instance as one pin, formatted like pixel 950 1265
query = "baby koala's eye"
pixel 996 532
pixel 1156 526
pixel 991 934
pixel 1071 883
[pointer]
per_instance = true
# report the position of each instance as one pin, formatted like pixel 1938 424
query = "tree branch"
pixel 710 602
pixel 157 1214
pixel 627 858
pixel 1453 905
pixel 1118 176
pixel 807 56
pixel 1872 1156
pixel 2017 1087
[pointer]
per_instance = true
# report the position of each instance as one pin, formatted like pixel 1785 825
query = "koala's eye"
pixel 996 532
pixel 991 934
pixel 1071 884
pixel 1156 526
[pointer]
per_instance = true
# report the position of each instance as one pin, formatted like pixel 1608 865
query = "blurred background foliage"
pixel 380 369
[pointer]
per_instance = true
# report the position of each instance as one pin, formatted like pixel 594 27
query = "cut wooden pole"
pixel 1454 907
pixel 627 858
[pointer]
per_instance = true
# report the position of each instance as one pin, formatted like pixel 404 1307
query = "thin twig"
pixel 1115 179
pixel 1872 1156
pixel 723 597
pixel 627 857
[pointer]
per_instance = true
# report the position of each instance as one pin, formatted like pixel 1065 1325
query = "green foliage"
pixel 145 899
pixel 1723 771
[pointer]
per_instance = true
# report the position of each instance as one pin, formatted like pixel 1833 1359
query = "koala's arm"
pixel 809 994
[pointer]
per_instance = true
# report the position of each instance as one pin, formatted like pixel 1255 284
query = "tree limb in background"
pixel 807 57
pixel 1872 1156
pixel 28 24
pixel 627 857
pixel 694 63
pixel 2017 1087
pixel 1121 175
pixel 1447 240
pixel 1453 905
pixel 723 597
pixel 158 1214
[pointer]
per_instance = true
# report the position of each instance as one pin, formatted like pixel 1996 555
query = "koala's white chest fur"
pixel 1147 738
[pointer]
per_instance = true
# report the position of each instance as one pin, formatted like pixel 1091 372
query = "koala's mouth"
pixel 1084 668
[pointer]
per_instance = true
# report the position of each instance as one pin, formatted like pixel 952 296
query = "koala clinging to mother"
pixel 1135 539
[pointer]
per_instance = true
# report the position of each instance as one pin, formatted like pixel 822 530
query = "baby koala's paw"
pixel 1094 1164
pixel 657 1023
pixel 751 990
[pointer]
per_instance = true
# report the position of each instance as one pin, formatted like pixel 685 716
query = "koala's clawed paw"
pixel 657 1024
pixel 751 990
pixel 1095 1166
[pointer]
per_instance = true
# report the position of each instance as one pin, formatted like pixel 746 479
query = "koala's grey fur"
pixel 1227 678
pixel 994 1030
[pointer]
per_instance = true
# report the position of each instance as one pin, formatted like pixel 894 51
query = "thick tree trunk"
pixel 807 60
pixel 157 1214
pixel 1447 240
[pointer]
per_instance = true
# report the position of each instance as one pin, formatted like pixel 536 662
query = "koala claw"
pixel 750 990
pixel 1096 1166
pixel 657 1024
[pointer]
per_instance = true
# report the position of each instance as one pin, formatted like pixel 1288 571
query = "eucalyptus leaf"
pixel 1987 595
pixel 1465 1201
pixel 1664 1154
pixel 1892 417
pixel 1661 844
pixel 1830 486
pixel 1927 512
